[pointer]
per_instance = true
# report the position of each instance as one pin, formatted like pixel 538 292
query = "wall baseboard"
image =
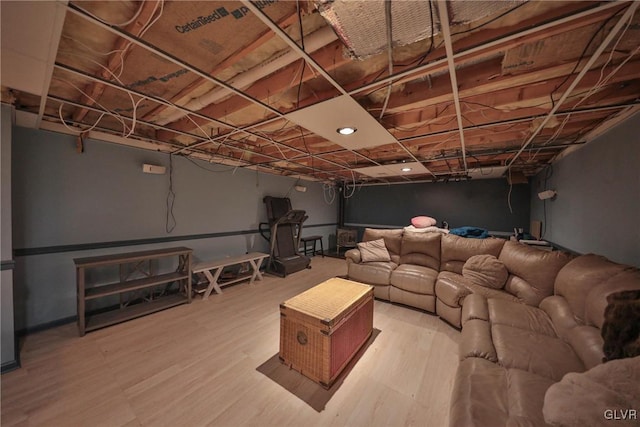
pixel 9 366
pixel 44 326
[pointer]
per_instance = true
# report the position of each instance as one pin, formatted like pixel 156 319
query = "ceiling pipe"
pixel 312 43
pixel 614 31
pixel 446 33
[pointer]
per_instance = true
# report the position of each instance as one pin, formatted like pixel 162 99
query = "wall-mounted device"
pixel 547 194
pixel 300 188
pixel 157 170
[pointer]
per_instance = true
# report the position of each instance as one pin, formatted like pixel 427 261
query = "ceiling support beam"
pixel 446 33
pixel 614 31
pixel 58 19
pixel 292 44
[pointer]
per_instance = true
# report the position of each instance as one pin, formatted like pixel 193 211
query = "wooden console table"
pixel 212 270
pixel 141 289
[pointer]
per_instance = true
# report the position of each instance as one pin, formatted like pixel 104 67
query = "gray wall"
pixel 64 198
pixel 597 208
pixel 6 292
pixel 478 203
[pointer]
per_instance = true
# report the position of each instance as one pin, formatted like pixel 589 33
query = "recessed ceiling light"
pixel 406 169
pixel 346 130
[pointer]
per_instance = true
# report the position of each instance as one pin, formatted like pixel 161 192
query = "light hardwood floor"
pixel 215 363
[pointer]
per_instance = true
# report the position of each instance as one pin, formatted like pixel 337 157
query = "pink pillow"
pixel 423 221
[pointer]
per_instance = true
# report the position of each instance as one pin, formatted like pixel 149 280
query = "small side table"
pixel 312 239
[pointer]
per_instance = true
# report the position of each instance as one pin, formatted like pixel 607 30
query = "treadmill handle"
pixel 263 227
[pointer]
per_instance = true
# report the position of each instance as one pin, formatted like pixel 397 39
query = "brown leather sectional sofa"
pixel 516 341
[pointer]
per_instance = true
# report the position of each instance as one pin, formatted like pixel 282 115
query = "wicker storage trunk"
pixel 322 328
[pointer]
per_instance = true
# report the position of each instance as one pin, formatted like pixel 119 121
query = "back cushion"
pixel 392 240
pixel 457 250
pixel 421 249
pixel 485 270
pixel 580 276
pixel 532 271
pixel 596 302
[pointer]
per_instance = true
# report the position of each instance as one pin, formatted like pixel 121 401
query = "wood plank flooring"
pixel 215 363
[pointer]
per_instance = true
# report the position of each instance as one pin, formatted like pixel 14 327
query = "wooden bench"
pixel 312 239
pixel 212 270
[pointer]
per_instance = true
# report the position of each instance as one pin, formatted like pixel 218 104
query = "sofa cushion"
pixel 374 251
pixel 580 276
pixel 538 353
pixel 392 240
pixel 518 315
pixel 373 273
pixel 479 395
pixel 421 249
pixel 535 270
pixel 587 399
pixel 486 394
pixel 485 270
pixel 413 299
pixel 457 250
pixel 414 278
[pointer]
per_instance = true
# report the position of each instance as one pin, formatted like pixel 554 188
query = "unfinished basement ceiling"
pixel 455 89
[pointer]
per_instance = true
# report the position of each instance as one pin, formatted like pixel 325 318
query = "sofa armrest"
pixel 451 290
pixel 561 315
pixel 475 307
pixel 353 255
pixel 522 290
pixel 475 341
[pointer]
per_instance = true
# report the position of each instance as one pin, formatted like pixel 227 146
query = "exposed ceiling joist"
pixel 626 17
pixel 232 83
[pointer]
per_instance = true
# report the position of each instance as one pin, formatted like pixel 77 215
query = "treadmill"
pixel 284 229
